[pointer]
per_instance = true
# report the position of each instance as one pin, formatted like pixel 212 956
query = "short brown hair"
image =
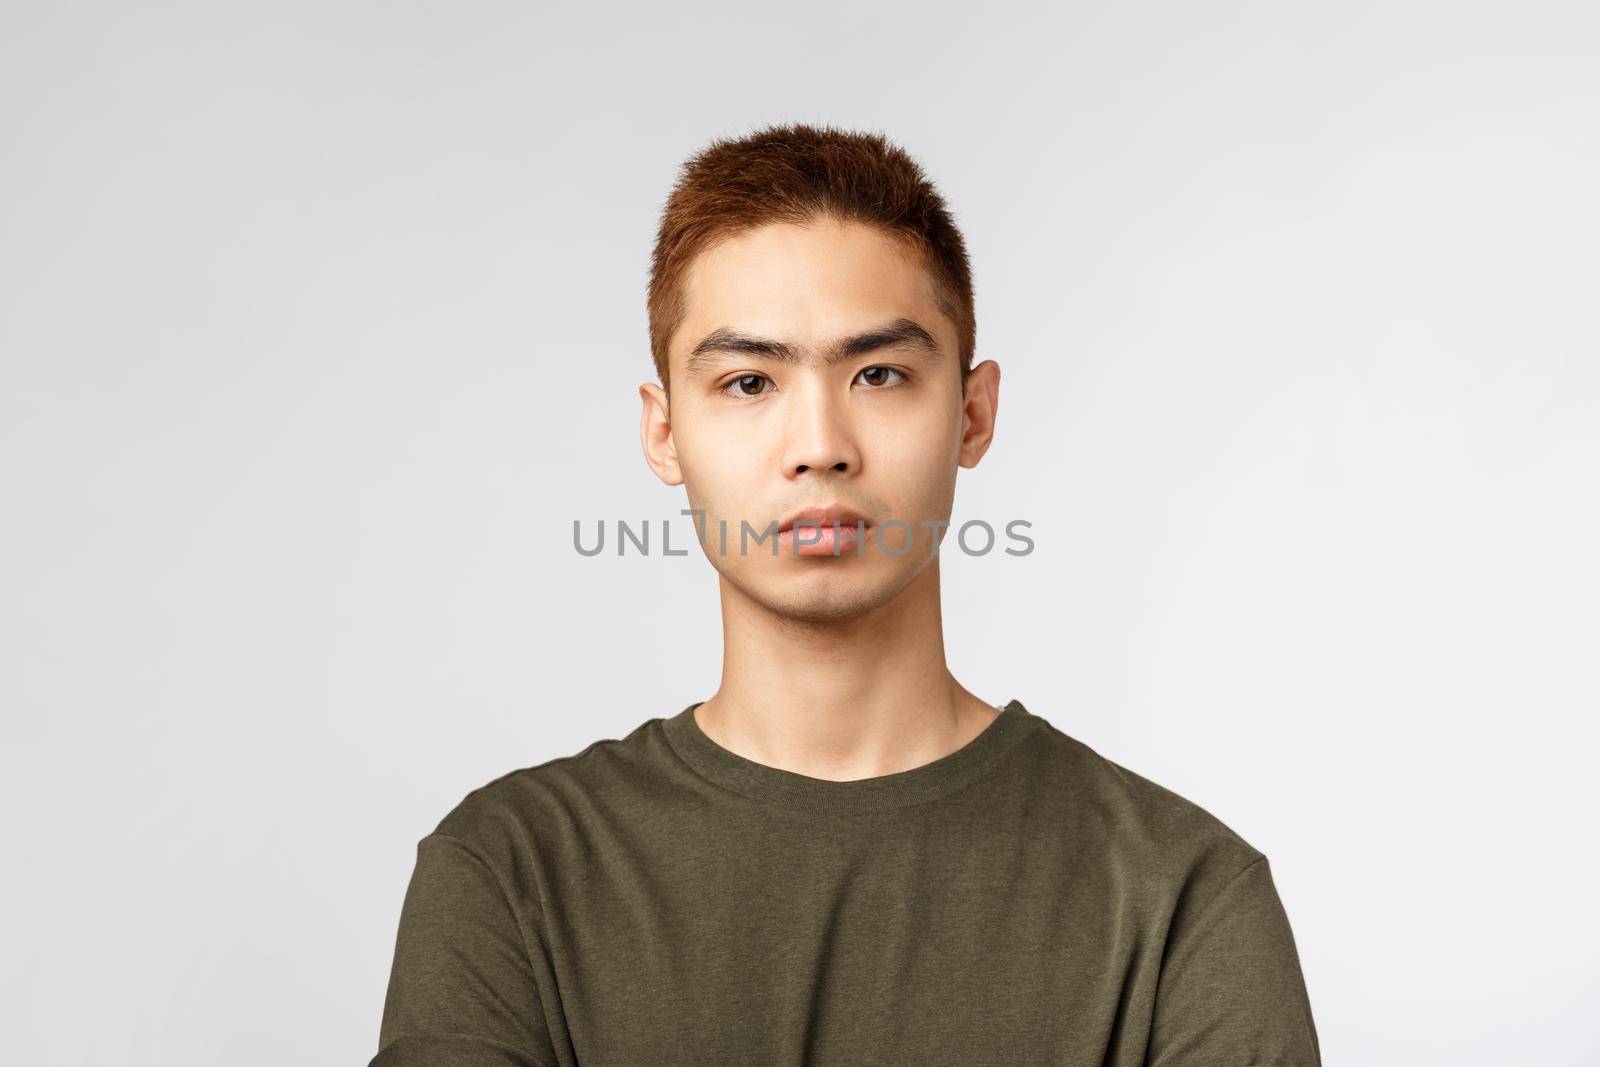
pixel 798 173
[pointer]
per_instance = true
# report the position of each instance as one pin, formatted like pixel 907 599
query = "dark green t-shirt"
pixel 658 899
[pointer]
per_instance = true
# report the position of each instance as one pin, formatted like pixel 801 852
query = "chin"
pixel 826 609
pixel 819 597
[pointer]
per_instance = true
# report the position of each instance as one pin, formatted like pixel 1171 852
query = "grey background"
pixel 321 323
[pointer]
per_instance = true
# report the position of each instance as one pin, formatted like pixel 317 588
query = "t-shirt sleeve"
pixel 462 988
pixel 1231 990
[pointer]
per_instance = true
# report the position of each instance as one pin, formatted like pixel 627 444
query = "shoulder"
pixel 1143 827
pixel 547 805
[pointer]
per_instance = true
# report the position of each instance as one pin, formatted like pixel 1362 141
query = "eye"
pixel 875 376
pixel 740 386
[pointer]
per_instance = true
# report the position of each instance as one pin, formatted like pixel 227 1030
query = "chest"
pixel 827 943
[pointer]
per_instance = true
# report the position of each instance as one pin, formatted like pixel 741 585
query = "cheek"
pixel 922 443
pixel 918 468
pixel 719 476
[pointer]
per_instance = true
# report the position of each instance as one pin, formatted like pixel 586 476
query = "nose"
pixel 819 436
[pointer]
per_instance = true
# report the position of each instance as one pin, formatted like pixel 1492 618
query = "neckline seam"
pixel 711 763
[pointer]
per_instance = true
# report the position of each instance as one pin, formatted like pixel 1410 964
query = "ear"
pixel 655 434
pixel 980 403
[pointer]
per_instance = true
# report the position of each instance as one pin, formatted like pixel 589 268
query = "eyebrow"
pixel 901 331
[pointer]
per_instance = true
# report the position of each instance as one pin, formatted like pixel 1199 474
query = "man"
pixel 841 856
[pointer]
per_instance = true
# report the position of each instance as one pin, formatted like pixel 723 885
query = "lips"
pixel 825 516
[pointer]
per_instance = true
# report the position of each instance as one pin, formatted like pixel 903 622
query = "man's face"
pixel 768 415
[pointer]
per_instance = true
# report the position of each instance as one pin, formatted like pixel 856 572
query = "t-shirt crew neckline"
pixel 778 787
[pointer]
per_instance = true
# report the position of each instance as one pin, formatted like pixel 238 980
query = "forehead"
pixel 807 283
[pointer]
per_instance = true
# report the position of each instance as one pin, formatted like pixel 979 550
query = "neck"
pixel 841 699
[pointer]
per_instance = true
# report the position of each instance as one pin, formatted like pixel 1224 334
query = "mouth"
pixel 823 531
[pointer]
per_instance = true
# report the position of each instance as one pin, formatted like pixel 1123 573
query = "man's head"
pixel 812 328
